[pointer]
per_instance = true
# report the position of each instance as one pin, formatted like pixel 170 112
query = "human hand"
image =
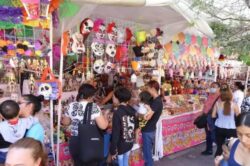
pixel 113 157
pixel 218 160
pixel 226 152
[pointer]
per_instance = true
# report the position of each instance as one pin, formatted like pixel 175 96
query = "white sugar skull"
pixel 112 32
pixel 98 66
pixel 108 67
pixel 111 50
pixel 101 32
pixel 86 26
pixel 45 89
pixel 97 49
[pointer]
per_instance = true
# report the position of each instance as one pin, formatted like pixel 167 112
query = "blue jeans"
pixel 123 159
pixel 3 157
pixel 224 163
pixel 210 134
pixel 148 142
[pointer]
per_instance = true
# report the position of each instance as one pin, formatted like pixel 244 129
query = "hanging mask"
pixel 97 49
pixel 108 67
pixel 111 50
pixel 86 26
pixel 112 32
pixel 98 66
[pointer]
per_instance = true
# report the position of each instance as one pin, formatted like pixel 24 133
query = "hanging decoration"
pixel 32 8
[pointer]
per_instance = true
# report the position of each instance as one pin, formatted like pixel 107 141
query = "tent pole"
pixel 51 101
pixel 246 84
pixel 60 99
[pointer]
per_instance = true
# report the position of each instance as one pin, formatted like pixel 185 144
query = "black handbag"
pixel 91 139
pixel 201 121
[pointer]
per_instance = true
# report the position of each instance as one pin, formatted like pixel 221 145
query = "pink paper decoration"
pixel 193 39
pixel 205 41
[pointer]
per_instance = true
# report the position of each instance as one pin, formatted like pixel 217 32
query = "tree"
pixel 230 21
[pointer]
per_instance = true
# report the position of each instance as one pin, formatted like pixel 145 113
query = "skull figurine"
pixel 97 49
pixel 111 50
pixel 108 67
pixel 98 66
pixel 45 89
pixel 101 32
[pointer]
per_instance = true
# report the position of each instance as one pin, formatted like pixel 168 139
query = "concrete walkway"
pixel 189 157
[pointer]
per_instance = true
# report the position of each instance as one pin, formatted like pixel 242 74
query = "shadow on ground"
pixel 189 157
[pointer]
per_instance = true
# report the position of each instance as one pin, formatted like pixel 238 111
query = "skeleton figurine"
pixel 32 84
pixel 11 82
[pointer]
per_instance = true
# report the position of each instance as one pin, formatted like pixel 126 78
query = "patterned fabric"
pixel 75 112
pixel 245 107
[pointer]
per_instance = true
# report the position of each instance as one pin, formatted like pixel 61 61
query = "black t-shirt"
pixel 123 130
pixel 157 107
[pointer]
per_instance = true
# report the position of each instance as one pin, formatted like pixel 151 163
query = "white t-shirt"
pixel 238 97
pixel 76 111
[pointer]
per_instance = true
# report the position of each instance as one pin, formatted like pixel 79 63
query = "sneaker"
pixel 206 153
pixel 135 146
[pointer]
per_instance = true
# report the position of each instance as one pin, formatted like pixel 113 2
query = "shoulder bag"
pixel 91 139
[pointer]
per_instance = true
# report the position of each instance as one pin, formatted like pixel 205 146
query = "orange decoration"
pixel 3 43
pixel 54 4
pixel 65 43
pixel 181 37
pixel 168 48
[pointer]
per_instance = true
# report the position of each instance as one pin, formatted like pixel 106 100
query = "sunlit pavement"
pixel 189 157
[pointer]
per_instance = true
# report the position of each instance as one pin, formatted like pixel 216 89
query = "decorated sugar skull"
pixel 112 32
pixel 45 89
pixel 97 49
pixel 111 50
pixel 108 67
pixel 98 66
pixel 99 29
pixel 86 26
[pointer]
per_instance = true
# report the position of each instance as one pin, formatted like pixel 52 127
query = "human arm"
pixel 149 113
pixel 214 112
pixel 107 98
pixel 100 119
pixel 236 110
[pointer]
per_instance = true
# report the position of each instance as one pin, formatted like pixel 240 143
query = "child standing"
pixel 124 125
pixel 13 128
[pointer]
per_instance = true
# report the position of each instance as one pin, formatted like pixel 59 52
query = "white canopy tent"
pixel 172 16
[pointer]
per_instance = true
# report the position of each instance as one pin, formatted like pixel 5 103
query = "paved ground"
pixel 189 157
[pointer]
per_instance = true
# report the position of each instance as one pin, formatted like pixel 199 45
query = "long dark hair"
pixel 243 119
pixel 36 101
pixel 85 91
pixel 227 97
pixel 239 85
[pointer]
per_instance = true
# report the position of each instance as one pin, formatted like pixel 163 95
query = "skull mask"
pixel 111 50
pixel 98 66
pixel 86 26
pixel 101 32
pixel 45 89
pixel 113 35
pixel 108 67
pixel 97 49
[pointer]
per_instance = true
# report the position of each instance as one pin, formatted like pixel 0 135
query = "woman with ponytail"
pixel 225 111
pixel 30 105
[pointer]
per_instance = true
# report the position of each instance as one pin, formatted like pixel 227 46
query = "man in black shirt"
pixel 152 116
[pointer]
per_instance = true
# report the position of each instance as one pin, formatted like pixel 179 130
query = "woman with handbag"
pixel 76 116
pixel 123 127
pixel 225 111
